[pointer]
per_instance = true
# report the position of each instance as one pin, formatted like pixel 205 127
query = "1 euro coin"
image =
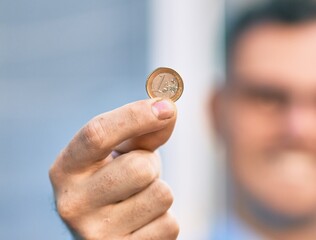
pixel 165 83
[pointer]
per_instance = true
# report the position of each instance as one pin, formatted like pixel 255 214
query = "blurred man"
pixel 106 181
pixel 266 115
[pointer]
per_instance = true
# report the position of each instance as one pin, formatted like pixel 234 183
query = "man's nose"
pixel 300 124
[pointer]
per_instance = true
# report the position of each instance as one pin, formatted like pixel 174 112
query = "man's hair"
pixel 288 12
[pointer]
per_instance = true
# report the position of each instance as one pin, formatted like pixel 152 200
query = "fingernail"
pixel 163 109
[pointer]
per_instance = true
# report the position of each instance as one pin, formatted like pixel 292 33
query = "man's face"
pixel 269 116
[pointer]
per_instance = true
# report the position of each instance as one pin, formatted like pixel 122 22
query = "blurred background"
pixel 64 61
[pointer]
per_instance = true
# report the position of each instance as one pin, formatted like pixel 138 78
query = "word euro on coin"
pixel 165 83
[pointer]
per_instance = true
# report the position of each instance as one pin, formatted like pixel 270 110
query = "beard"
pixel 284 193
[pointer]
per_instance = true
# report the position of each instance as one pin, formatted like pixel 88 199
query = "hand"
pixel 104 195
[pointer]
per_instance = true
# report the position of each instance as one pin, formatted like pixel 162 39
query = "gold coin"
pixel 165 83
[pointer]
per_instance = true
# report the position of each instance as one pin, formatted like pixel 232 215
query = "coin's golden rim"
pixel 156 72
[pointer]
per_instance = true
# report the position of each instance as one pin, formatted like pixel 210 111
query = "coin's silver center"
pixel 165 85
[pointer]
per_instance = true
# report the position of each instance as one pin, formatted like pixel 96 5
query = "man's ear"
pixel 216 110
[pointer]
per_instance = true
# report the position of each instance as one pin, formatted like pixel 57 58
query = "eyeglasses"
pixel 267 99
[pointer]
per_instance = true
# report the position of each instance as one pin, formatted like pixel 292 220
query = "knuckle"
pixel 52 173
pixel 69 207
pixel 65 209
pixel 55 173
pixel 142 171
pixel 91 233
pixel 94 133
pixel 172 227
pixel 163 194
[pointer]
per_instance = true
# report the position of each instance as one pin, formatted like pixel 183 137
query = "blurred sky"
pixel 61 63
